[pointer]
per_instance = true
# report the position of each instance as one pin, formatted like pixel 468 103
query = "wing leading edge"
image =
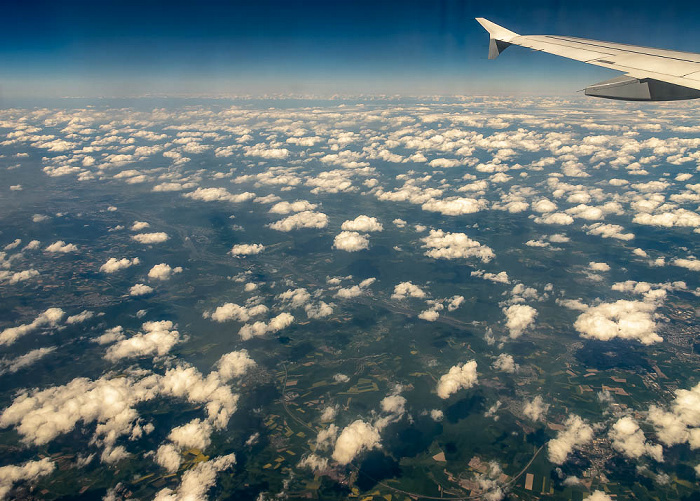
pixel 649 74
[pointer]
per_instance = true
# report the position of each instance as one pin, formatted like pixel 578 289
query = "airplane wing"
pixel 649 74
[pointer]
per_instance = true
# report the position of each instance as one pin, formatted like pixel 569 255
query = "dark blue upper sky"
pixel 334 46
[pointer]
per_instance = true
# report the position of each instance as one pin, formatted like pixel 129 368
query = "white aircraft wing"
pixel 650 74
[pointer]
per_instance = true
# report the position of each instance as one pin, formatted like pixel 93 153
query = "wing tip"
pixel 496 31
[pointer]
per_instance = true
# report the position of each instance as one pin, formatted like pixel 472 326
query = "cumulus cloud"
pixel 351 241
pixel 629 439
pixel 519 317
pixel 234 364
pixel 163 271
pixel 559 218
pixel 287 207
pixel 17 277
pixel 443 245
pixel 157 339
pixel 500 277
pixel 355 438
pixel 168 456
pixel 304 219
pixel 30 471
pixel 232 311
pixel 295 298
pixel 365 224
pixel 681 422
pixel 329 413
pixel 536 409
pixel 139 225
pixel 151 238
pixel 461 376
pixel 13 365
pixel 455 206
pixel 276 324
pixel 455 302
pixel 197 481
pixel 41 415
pixel 218 195
pixel 598 266
pixel 690 263
pixel 48 319
pixel 113 264
pixel 576 433
pixel 608 231
pixel 193 435
pixel 110 335
pixel 247 249
pixel 621 319
pixel 598 496
pixel 81 317
pixel 61 247
pixel 407 289
pixel 314 463
pixel 349 292
pixel 319 310
pixel 140 290
pixel 505 363
pixel 429 315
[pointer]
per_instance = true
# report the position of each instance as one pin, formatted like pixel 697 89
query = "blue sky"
pixel 130 48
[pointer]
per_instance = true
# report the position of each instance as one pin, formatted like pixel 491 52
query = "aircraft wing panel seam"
pixel 627 51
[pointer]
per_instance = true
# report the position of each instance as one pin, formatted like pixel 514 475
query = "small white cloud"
pixel 140 290
pixel 351 241
pixel 61 247
pixel 163 271
pixel 598 266
pixel 355 438
pixel 575 434
pixel 151 238
pixel 598 496
pixel 197 481
pixel 500 277
pixel 287 207
pixel 247 249
pixel 443 245
pixel 139 225
pixel 621 319
pixel 80 317
pixel 281 321
pixel 193 435
pixel 461 376
pixel 157 339
pixel 113 264
pixel 30 471
pixel 628 438
pixel 429 315
pixel 437 415
pixel 536 409
pixel 234 364
pixel 364 224
pixel 518 318
pixel 218 195
pixel 49 318
pixel 232 311
pixel 608 231
pixel 305 219
pixel 407 289
pixel 505 363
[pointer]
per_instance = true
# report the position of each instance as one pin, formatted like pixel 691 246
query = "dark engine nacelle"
pixel 628 88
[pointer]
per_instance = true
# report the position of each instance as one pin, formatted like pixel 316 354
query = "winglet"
pixel 500 37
